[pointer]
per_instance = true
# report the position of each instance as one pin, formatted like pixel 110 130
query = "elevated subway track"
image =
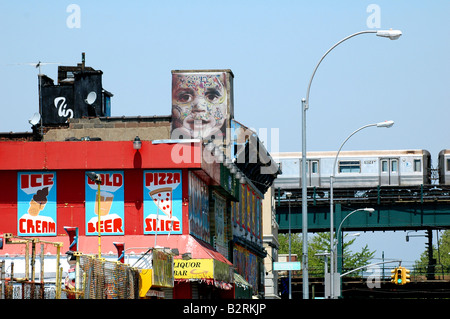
pixel 396 208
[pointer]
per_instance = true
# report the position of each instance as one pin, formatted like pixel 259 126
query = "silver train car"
pixel 444 167
pixel 356 169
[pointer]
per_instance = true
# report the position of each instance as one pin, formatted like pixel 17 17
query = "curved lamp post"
pixel 97 179
pixel 368 210
pixel 390 34
pixel 289 194
pixel 334 246
pixel 386 124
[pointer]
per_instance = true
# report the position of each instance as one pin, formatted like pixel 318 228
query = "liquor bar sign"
pixel 36 204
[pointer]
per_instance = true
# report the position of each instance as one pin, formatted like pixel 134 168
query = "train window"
pixel 314 167
pixel 349 167
pixel 384 166
pixel 417 165
pixel 394 165
pixel 448 164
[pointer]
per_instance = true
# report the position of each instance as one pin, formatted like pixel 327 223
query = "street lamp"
pixel 288 195
pixel 333 247
pixel 97 179
pixel 137 144
pixel 386 124
pixel 390 34
pixel 368 210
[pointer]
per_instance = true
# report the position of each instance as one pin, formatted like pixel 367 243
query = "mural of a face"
pixel 199 104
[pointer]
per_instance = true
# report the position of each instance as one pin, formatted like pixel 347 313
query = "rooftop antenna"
pixel 35 119
pixel 38 65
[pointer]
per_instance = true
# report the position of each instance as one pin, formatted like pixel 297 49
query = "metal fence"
pixel 29 290
pixel 108 280
pixel 99 279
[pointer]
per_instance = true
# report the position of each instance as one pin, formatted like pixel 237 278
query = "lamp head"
pixel 391 34
pixel 385 124
pixel 137 143
pixel 94 177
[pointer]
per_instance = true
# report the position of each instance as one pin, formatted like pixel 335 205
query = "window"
pixel 384 166
pixel 314 167
pixel 349 167
pixel 394 166
pixel 448 164
pixel 417 165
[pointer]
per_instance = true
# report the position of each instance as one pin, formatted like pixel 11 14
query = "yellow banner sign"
pixel 193 268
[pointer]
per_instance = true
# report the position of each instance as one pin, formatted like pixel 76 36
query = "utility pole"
pixel 431 260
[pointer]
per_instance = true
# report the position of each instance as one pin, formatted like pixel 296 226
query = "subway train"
pixel 361 169
pixel 444 167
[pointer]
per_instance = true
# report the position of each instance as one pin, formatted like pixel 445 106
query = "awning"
pixel 206 265
pixel 239 281
pixel 184 243
pixel 188 244
pixel 243 290
pixel 222 267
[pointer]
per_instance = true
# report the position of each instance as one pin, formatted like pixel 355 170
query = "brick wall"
pixel 113 128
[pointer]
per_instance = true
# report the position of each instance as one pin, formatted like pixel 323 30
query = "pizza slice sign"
pixel 162 198
pixel 162 211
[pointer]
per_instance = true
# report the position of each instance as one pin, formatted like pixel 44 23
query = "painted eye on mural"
pixel 213 95
pixel 185 96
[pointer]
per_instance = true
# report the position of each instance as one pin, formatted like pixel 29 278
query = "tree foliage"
pixel 320 243
pixel 441 256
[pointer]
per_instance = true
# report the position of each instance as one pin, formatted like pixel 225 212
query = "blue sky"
pixel 271 47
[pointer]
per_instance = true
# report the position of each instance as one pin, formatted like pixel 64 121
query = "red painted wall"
pixel 71 201
pixel 8 202
pixel 71 161
pixel 97 155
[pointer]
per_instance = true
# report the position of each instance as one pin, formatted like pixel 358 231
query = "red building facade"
pixel 178 190
pixel 165 194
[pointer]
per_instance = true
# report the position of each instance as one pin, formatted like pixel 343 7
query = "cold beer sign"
pixel 36 204
pixel 162 202
pixel 111 204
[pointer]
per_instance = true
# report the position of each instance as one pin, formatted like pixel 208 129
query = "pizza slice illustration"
pixel 162 197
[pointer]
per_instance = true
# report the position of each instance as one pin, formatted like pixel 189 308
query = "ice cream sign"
pixel 111 204
pixel 36 204
pixel 162 202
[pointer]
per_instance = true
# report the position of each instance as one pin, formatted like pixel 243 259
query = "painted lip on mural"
pixel 197 122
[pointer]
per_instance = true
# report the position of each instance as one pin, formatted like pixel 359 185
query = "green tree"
pixel 320 243
pixel 441 256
